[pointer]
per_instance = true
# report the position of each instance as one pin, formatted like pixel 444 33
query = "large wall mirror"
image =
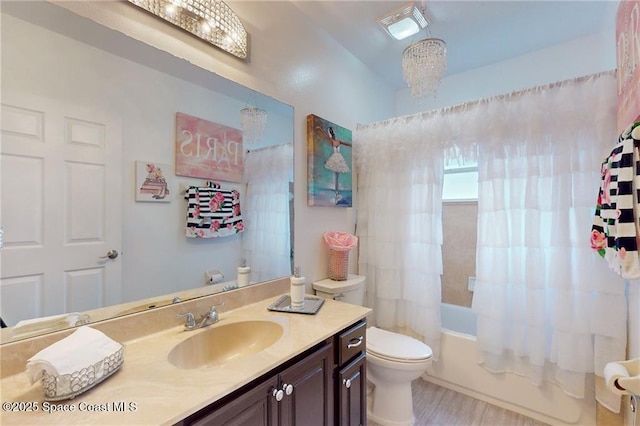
pixel 81 106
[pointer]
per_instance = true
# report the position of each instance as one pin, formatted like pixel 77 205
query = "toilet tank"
pixel 350 290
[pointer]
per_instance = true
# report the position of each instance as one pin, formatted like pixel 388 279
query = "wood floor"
pixel 435 405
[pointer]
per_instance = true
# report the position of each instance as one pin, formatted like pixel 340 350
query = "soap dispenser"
pixel 297 290
pixel 244 272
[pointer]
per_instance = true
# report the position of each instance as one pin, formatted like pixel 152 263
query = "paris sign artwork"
pixel 207 150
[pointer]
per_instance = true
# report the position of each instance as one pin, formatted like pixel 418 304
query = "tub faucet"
pixel 211 317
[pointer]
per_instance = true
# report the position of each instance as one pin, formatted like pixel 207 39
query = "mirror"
pixel 65 77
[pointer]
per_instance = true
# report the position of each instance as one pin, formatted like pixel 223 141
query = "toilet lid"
pixel 335 287
pixel 395 346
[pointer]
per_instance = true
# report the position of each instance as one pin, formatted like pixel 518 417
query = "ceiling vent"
pixel 403 22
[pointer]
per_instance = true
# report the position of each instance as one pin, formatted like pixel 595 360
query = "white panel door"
pixel 60 208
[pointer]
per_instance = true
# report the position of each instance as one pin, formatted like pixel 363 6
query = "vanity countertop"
pixel 151 391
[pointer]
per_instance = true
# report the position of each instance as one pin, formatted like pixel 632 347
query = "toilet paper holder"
pixel 624 376
pixel 213 276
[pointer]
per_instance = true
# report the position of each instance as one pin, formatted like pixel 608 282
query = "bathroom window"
pixel 460 228
pixel 460 183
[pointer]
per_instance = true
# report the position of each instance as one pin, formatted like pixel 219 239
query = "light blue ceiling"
pixel 477 33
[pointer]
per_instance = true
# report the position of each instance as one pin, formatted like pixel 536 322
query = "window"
pixel 459 231
pixel 460 183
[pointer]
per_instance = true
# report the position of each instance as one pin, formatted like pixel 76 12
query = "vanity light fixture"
pixel 403 22
pixel 210 20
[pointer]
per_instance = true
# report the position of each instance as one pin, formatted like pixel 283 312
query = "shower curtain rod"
pixel 470 104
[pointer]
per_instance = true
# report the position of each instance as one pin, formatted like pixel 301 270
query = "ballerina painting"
pixel 329 169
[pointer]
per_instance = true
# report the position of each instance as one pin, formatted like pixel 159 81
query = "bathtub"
pixel 458 370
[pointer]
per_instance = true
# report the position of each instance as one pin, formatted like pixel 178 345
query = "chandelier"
pixel 211 20
pixel 254 122
pixel 423 64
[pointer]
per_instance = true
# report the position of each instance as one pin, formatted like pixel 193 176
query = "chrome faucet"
pixel 211 317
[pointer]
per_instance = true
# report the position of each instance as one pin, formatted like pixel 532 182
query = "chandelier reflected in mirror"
pixel 254 122
pixel 423 64
pixel 211 20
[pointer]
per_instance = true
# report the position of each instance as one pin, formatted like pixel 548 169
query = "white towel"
pixel 84 348
pixel 54 322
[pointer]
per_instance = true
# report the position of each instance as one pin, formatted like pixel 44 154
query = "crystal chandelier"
pixel 211 20
pixel 254 122
pixel 423 64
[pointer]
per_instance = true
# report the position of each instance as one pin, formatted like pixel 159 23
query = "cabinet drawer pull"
pixel 278 394
pixel 287 388
pixel 346 383
pixel 354 343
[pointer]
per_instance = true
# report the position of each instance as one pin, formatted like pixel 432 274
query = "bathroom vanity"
pixel 312 371
pixel 322 386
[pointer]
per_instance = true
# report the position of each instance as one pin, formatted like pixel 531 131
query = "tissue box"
pixel 67 386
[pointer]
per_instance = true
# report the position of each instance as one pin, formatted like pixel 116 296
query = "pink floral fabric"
pixel 615 232
pixel 213 212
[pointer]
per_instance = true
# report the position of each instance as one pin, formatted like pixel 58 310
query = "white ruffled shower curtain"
pixel 266 242
pixel 547 306
pixel 400 174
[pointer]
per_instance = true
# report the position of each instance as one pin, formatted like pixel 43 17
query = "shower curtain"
pixel 266 242
pixel 547 306
pixel 399 216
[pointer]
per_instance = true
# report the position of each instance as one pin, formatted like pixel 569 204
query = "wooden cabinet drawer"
pixel 351 342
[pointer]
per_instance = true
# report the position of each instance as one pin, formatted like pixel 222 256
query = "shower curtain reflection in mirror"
pixel 266 244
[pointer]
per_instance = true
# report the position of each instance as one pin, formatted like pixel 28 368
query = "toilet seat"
pixel 396 347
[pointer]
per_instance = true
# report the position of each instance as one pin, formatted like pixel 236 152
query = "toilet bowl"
pixel 393 360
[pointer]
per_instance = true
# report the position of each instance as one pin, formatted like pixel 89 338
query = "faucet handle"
pixel 211 317
pixel 213 312
pixel 191 320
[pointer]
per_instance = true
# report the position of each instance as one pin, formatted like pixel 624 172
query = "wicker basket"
pixel 338 265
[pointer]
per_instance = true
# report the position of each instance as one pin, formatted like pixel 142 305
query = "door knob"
pixel 111 254
pixel 346 383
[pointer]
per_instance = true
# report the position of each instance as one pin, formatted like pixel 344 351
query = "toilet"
pixel 393 360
